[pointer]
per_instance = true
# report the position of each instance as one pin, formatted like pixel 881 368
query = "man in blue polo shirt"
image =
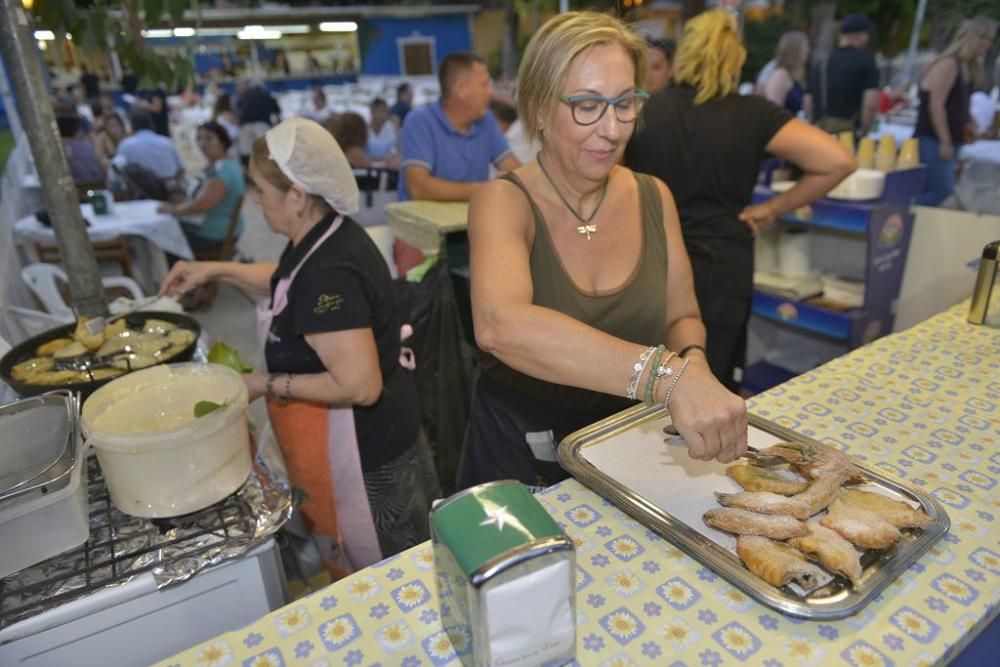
pixel 448 146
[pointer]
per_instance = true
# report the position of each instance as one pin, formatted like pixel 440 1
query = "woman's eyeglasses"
pixel 588 109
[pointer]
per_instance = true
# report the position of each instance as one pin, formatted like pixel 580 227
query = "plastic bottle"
pixel 885 159
pixel 866 153
pixel 909 155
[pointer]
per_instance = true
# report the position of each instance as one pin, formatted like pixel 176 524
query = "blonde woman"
pixel 581 289
pixel 707 142
pixel 945 89
pixel 784 84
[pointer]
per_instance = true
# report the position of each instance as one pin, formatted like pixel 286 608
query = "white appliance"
pixel 136 624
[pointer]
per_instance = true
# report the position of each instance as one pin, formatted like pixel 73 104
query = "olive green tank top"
pixel 635 312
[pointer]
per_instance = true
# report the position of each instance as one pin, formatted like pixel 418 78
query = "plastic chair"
pixel 44 281
pixel 384 240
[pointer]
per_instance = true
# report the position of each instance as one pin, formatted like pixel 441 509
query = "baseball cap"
pixel 856 23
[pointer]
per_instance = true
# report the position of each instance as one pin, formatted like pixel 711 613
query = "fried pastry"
pixel 756 478
pixel 831 550
pixel 809 460
pixel 777 563
pixel 743 522
pixel 896 512
pixel 803 505
pixel 859 526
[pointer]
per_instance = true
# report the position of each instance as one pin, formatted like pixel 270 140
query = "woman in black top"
pixel 707 143
pixel 343 410
pixel 945 89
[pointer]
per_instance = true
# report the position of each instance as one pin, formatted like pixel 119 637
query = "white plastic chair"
pixel 44 279
pixel 384 239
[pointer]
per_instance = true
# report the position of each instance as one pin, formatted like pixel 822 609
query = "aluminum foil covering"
pixel 121 547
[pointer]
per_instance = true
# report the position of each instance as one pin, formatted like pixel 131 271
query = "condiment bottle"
pixel 885 159
pixel 909 155
pixel 866 153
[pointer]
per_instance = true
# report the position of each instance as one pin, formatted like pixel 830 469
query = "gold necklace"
pixel 585 226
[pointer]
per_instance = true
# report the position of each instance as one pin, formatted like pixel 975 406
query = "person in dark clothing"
pixel 130 83
pixel 342 404
pixel 784 85
pixel 156 102
pixel 91 83
pixel 706 143
pixel 943 118
pixel 258 111
pixel 845 86
pixel 404 102
pixel 661 63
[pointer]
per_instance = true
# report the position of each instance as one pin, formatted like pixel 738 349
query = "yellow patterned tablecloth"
pixel 923 405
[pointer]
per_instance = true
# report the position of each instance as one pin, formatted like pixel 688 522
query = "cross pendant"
pixel 586 229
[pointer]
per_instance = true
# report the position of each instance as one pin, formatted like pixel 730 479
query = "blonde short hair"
pixel 710 55
pixel 550 53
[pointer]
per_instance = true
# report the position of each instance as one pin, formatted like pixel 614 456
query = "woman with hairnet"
pixel 343 411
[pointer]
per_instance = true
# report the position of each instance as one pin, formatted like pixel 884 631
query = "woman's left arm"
pixel 211 194
pixel 352 376
pixel 823 159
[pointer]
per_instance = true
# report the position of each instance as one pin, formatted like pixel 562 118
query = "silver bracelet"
pixel 677 378
pixel 639 369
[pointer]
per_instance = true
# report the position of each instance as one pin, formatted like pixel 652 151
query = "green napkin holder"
pixel 506 577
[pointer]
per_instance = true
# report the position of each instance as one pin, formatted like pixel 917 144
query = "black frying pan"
pixel 26 350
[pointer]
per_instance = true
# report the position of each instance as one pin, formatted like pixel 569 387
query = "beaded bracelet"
pixel 677 378
pixel 659 372
pixel 639 368
pixel 651 378
pixel 280 400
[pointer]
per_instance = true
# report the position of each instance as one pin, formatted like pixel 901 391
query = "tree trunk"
pixel 17 45
pixel 822 27
pixel 508 68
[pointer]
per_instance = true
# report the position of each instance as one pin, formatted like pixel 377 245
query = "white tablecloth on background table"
pixel 978 186
pixel 137 219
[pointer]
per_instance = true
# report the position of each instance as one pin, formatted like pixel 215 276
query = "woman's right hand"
pixel 946 151
pixel 710 418
pixel 184 277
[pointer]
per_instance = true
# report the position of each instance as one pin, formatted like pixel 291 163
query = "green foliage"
pixel 95 29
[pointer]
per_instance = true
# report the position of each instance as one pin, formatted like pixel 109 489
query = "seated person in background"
pixel 381 133
pixel 206 214
pixel 351 133
pixel 223 114
pixel 660 68
pixel 449 145
pixel 84 163
pixel 317 109
pixel 111 134
pixel 152 152
pixel 506 116
pixel 156 104
pixel 403 105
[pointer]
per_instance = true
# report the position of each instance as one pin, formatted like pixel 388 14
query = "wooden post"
pixel 17 46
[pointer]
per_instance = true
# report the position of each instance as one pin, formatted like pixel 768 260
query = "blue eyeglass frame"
pixel 610 101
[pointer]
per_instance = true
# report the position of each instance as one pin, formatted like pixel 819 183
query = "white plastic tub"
pixel 159 460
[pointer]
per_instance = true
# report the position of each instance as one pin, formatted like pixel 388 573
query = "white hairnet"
pixel 312 159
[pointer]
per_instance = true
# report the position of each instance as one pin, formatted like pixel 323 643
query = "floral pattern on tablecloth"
pixel 923 405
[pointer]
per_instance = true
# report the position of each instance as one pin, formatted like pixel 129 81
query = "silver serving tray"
pixel 628 459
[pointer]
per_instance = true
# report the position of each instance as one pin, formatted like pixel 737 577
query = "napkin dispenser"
pixel 505 575
pixel 985 307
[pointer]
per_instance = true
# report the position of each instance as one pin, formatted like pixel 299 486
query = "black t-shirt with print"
pixel 345 285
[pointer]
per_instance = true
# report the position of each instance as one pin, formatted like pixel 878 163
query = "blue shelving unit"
pixel 886 225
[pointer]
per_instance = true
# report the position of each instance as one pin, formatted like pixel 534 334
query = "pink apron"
pixel 320 446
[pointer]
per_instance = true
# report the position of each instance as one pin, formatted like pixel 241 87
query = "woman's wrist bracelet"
pixel 651 377
pixel 660 371
pixel 275 396
pixel 639 369
pixel 677 378
pixel 688 348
